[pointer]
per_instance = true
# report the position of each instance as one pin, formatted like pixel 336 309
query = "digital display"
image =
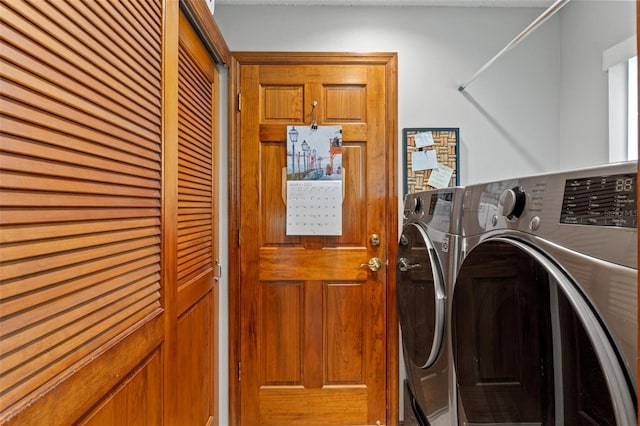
pixel 601 201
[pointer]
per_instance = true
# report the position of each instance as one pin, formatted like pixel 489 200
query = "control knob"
pixel 417 205
pixel 413 206
pixel 512 202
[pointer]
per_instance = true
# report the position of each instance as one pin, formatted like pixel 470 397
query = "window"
pixel 621 64
pixel 632 110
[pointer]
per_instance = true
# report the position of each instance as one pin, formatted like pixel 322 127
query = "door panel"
pixel 136 401
pixel 344 333
pixel 313 322
pixel 107 221
pixel 192 392
pixel 80 208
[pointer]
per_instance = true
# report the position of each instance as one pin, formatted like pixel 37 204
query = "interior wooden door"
pixel 81 311
pixel 314 341
pixel 191 176
pixel 108 213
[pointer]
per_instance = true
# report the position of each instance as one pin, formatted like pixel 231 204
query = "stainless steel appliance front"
pixel 427 261
pixel 544 311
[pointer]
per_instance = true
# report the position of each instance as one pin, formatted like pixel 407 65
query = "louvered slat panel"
pixel 146 17
pixel 59 103
pixel 193 175
pixel 102 32
pixel 59 265
pixel 46 199
pixel 11 234
pixel 126 34
pixel 47 168
pixel 74 246
pixel 195 234
pixel 107 97
pixel 53 155
pixel 188 218
pixel 20 17
pixel 21 136
pixel 43 338
pixel 193 190
pixel 18 180
pixel 195 186
pixel 88 273
pixel 75 289
pixel 191 109
pixel 69 214
pixel 190 161
pixel 193 136
pixel 31 375
pixel 80 182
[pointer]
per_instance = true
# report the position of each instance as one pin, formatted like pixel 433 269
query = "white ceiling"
pixel 393 3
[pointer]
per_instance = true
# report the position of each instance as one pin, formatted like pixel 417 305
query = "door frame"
pixel 390 61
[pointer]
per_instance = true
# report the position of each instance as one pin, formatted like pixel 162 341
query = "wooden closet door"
pixel 108 214
pixel 191 226
pixel 80 212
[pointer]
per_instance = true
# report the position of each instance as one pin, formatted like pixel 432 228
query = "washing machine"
pixel 545 304
pixel 427 259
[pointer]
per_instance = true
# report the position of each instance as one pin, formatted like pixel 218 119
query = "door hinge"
pixel 239 101
pixel 239 372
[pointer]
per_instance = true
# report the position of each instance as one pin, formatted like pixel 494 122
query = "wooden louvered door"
pixel 190 177
pixel 80 212
pixel 108 215
pixel 314 342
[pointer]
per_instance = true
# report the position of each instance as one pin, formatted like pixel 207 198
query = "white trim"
pixel 619 53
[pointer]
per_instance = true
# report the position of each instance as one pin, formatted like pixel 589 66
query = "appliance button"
pixel 534 223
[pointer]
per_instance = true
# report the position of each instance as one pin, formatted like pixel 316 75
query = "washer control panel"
pixel 438 208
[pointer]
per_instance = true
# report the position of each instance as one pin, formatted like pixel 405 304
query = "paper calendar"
pixel 314 208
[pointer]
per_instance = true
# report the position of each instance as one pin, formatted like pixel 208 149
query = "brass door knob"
pixel 374 264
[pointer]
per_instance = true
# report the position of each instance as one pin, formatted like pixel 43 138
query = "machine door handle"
pixel 374 264
pixel 403 264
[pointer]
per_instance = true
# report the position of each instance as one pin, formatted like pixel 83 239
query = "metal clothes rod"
pixel 535 24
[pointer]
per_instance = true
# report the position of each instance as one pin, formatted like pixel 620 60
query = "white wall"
pixel 587 28
pixel 508 117
pixel 541 107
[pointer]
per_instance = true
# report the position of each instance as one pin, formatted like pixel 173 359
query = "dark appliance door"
pixel 421 309
pixel 528 347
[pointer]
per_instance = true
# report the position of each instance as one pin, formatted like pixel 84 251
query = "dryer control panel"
pixel 601 201
pixel 593 211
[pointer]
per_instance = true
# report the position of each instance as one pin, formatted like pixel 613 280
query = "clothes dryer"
pixel 427 260
pixel 544 311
